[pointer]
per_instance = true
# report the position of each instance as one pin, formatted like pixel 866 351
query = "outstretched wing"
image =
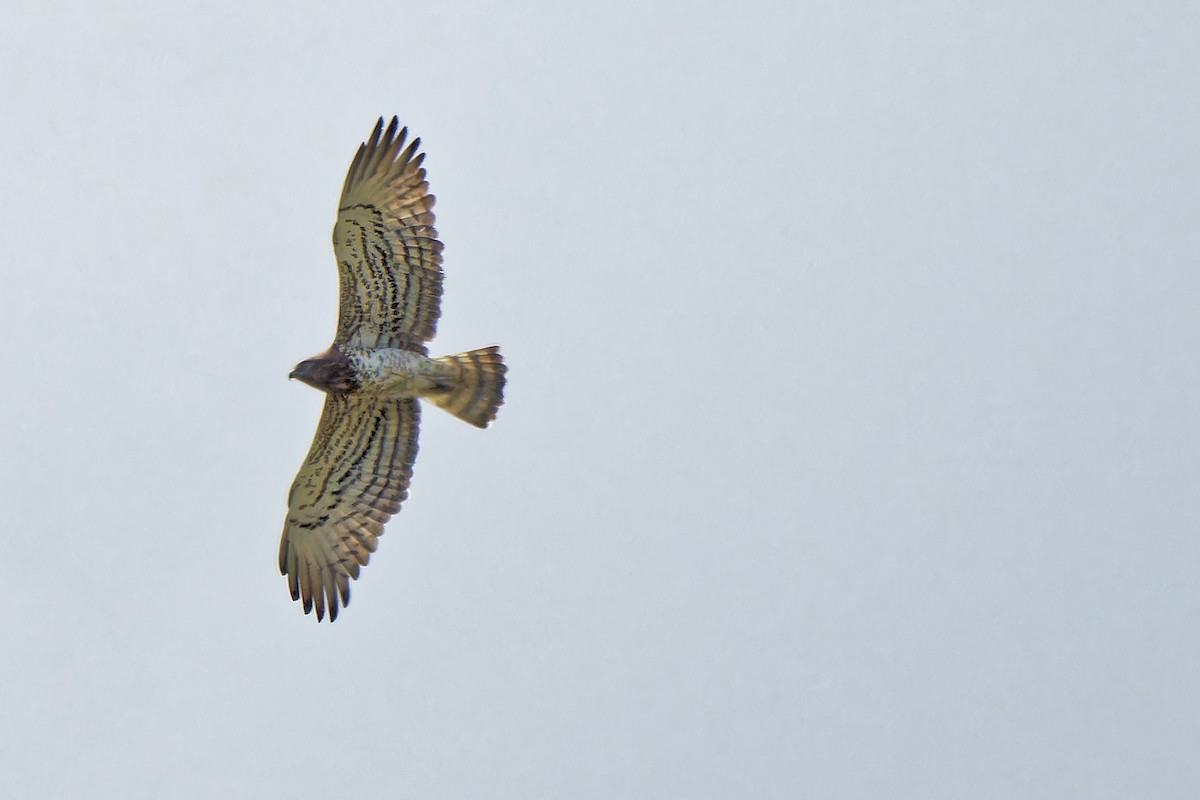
pixel 354 479
pixel 389 257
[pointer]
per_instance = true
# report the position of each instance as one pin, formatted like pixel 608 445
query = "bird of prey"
pixel 357 471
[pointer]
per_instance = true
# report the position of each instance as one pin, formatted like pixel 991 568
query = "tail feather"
pixel 475 382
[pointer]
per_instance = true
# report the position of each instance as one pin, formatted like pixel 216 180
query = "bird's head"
pixel 330 372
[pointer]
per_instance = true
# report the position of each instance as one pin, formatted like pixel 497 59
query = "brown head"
pixel 330 372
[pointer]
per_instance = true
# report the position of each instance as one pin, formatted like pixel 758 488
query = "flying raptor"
pixel 357 471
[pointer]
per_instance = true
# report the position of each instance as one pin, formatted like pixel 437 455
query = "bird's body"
pixel 400 373
pixel 358 469
pixel 385 372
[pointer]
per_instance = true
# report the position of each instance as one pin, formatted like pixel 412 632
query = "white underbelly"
pixel 391 372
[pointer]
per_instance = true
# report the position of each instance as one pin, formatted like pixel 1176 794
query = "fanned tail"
pixel 476 385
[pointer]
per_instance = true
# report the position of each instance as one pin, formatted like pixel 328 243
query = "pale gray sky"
pixel 850 448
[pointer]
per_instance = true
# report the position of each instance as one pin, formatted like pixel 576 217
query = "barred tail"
pixel 476 381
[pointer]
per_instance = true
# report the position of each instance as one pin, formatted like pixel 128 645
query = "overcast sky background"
pixel 850 444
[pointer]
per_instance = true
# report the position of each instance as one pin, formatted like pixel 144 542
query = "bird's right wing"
pixel 354 479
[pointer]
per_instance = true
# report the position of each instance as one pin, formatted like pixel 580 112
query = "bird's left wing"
pixel 354 479
pixel 389 257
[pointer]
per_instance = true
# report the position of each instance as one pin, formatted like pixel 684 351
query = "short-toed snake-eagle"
pixel 357 472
